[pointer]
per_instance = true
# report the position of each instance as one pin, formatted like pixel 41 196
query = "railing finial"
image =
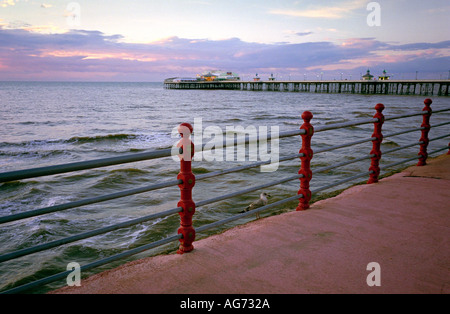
pixel 188 178
pixel 376 144
pixel 424 137
pixel 305 169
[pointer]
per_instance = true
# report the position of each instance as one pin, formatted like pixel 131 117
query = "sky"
pixel 150 40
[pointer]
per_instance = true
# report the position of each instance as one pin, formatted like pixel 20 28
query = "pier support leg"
pixel 305 169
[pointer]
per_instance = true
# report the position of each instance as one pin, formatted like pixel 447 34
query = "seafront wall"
pixel 407 87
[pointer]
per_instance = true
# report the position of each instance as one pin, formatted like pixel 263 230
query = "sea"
pixel 52 123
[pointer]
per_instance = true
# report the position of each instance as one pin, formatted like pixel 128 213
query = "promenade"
pixel 402 223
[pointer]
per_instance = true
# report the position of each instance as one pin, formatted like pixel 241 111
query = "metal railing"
pixel 186 181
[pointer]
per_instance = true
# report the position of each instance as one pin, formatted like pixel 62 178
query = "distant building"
pixel 256 78
pixel 367 76
pixel 218 76
pixel 384 77
pixel 271 78
pixel 184 79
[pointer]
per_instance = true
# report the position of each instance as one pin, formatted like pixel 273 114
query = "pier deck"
pixel 388 87
pixel 402 223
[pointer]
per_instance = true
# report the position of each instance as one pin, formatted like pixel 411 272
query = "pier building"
pixel 384 77
pixel 367 76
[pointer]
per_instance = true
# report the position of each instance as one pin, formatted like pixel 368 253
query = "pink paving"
pixel 402 223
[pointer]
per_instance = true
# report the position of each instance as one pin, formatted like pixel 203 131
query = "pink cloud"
pixel 81 55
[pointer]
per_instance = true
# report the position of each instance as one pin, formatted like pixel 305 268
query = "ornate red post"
pixel 188 178
pixel 305 168
pixel 376 144
pixel 424 138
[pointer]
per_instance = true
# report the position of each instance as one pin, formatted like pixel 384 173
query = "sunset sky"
pixel 149 40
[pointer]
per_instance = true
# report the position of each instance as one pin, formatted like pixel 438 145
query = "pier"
pixel 380 87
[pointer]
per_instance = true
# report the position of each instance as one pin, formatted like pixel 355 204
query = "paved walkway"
pixel 402 223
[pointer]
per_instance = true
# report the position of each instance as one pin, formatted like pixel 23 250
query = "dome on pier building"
pixel 367 76
pixel 384 77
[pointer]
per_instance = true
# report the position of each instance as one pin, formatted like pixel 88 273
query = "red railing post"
pixel 305 168
pixel 376 144
pixel 424 137
pixel 188 178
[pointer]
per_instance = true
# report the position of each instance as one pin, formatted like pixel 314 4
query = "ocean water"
pixel 50 123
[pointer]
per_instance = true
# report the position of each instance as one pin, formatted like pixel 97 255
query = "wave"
pixel 360 114
pixel 16 185
pixel 39 235
pixel 200 170
pixel 262 117
pixel 119 142
pixel 131 171
pixel 40 154
pixel 121 178
pixel 41 123
pixel 80 139
pixel 336 121
pixel 390 143
pixel 32 143
pixel 102 138
pixel 287 117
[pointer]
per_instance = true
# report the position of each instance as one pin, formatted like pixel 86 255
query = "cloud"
pixel 316 13
pixel 6 3
pixel 421 46
pixel 93 55
pixel 327 12
pixel 303 33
